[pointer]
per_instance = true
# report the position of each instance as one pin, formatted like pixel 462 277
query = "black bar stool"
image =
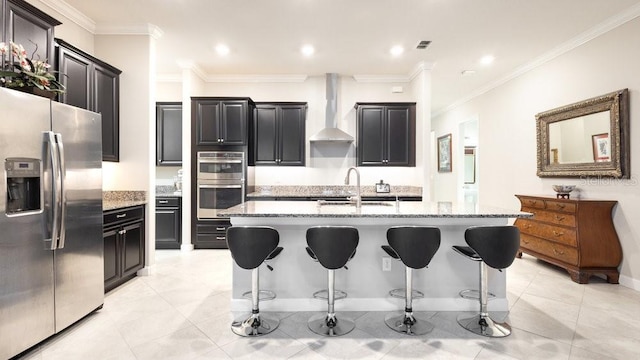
pixel 415 246
pixel 494 246
pixel 250 247
pixel 324 293
pixel 333 246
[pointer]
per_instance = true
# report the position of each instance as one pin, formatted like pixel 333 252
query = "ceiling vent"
pixel 423 44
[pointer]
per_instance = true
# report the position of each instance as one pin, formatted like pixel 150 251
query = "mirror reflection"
pixel 580 140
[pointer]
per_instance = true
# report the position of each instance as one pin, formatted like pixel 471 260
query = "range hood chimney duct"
pixel 331 133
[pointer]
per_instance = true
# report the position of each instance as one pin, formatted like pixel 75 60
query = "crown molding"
pixel 596 31
pixel 72 14
pixel 169 78
pixel 381 78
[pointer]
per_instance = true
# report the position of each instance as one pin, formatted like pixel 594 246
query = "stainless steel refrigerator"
pixel 51 249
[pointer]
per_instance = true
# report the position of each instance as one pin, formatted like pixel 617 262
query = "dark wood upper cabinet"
pixel 221 121
pixel 169 134
pixel 278 134
pixel 32 28
pixel 386 134
pixel 93 85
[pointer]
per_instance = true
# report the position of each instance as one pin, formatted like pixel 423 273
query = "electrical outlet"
pixel 386 263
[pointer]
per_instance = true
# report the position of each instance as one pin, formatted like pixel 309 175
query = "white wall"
pixel 131 54
pixel 507 131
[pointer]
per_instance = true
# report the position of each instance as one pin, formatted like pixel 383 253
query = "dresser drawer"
pixel 532 203
pixel 554 250
pixel 560 206
pixel 558 218
pixel 557 234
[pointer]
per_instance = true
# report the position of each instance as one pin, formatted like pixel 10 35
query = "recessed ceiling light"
pixel 396 50
pixel 307 50
pixel 222 49
pixel 487 59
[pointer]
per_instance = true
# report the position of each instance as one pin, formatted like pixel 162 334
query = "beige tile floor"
pixel 182 312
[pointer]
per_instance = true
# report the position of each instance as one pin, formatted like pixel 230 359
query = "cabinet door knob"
pixel 122 232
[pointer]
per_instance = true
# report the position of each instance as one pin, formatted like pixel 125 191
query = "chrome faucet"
pixel 357 198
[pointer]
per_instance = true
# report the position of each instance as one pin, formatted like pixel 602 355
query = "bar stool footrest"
pixel 474 294
pixel 263 295
pixel 324 294
pixel 401 294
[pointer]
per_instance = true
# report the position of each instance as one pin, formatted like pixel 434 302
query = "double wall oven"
pixel 220 182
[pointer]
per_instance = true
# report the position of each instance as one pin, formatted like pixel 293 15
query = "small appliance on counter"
pixel 381 187
pixel 177 181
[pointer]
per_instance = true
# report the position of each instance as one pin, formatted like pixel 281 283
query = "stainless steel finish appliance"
pixel 51 250
pixel 220 182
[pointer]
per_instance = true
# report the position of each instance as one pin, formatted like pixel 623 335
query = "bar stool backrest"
pixel 332 245
pixel 496 245
pixel 415 245
pixel 251 245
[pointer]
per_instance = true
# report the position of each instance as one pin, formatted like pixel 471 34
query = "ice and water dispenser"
pixel 23 185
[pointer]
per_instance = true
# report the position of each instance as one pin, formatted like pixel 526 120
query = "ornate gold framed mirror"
pixel 589 138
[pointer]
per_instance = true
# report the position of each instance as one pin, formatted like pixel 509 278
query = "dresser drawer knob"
pixel 559 218
pixel 525 241
pixel 558 252
pixel 560 206
pixel 533 202
pixel 558 233
pixel 527 226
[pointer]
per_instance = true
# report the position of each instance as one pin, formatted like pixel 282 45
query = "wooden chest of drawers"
pixel 577 235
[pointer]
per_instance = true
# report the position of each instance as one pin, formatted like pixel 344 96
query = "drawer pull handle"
pixel 221 237
pixel 560 206
pixel 558 252
pixel 556 233
pixel 559 218
pixel 120 216
pixel 220 229
pixel 163 201
pixel 527 226
pixel 525 241
pixel 533 202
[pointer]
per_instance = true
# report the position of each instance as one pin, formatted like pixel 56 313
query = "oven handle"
pixel 239 186
pixel 219 161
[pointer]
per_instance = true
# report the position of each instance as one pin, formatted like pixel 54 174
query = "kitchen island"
pixel 296 276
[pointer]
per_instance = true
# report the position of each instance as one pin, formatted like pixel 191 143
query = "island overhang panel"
pixel 296 276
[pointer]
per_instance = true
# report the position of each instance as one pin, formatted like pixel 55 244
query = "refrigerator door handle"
pixel 53 154
pixel 63 191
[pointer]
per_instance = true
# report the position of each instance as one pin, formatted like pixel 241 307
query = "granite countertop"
pixel 112 200
pixel 329 191
pixel 380 209
pixel 167 191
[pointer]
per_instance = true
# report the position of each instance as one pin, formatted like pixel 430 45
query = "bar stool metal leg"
pixel 407 323
pixel 329 324
pixel 481 323
pixel 254 325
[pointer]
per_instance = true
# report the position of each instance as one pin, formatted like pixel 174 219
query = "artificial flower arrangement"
pixel 27 72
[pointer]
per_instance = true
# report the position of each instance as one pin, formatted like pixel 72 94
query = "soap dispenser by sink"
pixel 381 187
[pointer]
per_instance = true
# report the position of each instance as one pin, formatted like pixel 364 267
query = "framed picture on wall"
pixel 444 153
pixel 601 147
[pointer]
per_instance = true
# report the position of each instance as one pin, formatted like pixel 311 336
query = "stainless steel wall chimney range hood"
pixel 331 133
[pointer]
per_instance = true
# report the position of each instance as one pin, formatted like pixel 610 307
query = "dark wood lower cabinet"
pixel 124 245
pixel 211 234
pixel 168 223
